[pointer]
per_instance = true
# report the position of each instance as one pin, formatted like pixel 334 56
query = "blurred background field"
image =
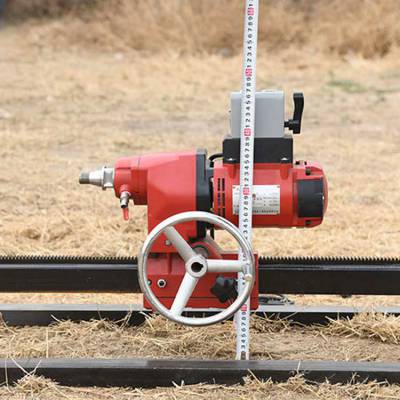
pixel 86 82
pixel 366 27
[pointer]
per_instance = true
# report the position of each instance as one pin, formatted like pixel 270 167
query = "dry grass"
pixel 158 337
pixel 367 27
pixel 385 328
pixel 161 338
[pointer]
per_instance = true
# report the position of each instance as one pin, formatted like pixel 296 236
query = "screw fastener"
pixel 161 283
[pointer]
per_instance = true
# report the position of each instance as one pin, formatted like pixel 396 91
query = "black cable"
pixel 213 157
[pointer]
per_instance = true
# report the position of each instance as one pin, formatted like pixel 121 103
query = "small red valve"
pixel 125 213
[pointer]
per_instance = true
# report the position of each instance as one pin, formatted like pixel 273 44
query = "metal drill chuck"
pixel 103 177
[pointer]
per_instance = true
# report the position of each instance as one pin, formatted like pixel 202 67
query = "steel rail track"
pixel 277 275
pixel 150 373
pixel 304 275
pixel 135 314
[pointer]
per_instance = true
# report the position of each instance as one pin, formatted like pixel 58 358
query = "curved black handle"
pixel 294 124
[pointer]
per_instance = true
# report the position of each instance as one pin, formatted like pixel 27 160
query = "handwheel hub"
pixel 196 266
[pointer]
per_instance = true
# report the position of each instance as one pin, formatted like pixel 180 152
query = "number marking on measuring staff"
pixel 242 318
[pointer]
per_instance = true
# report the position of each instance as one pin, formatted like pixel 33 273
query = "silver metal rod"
pixel 225 266
pixel 182 297
pixel 180 244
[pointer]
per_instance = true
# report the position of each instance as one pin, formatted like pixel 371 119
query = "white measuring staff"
pixel 242 317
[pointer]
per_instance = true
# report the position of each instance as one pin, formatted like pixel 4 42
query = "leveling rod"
pixel 242 317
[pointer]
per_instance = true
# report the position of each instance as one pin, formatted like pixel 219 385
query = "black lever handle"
pixel 294 124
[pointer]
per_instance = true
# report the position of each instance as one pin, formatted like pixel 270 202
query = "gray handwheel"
pixel 196 266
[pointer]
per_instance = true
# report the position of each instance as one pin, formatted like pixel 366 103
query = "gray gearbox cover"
pixel 270 114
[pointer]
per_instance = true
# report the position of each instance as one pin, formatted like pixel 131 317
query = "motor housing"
pixel 284 195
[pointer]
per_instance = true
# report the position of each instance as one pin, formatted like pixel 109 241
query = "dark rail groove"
pixel 134 314
pixel 149 373
pixel 309 275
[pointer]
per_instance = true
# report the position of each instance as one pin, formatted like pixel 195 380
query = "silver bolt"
pixel 124 199
pixel 167 242
pixel 161 283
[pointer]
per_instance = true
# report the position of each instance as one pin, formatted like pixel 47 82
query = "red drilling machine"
pixel 189 195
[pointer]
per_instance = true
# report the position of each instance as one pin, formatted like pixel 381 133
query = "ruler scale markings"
pixel 242 317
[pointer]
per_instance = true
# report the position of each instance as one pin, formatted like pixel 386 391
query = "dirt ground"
pixel 65 109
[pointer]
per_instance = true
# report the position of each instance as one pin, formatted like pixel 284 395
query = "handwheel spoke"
pixel 182 297
pixel 180 244
pixel 226 266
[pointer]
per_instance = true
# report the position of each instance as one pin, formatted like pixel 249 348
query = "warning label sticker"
pixel 266 199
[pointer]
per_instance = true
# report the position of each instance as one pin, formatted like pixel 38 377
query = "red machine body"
pixel 285 212
pixel 166 183
pixel 295 195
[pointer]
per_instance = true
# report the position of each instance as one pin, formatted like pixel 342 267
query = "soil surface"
pixel 66 109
